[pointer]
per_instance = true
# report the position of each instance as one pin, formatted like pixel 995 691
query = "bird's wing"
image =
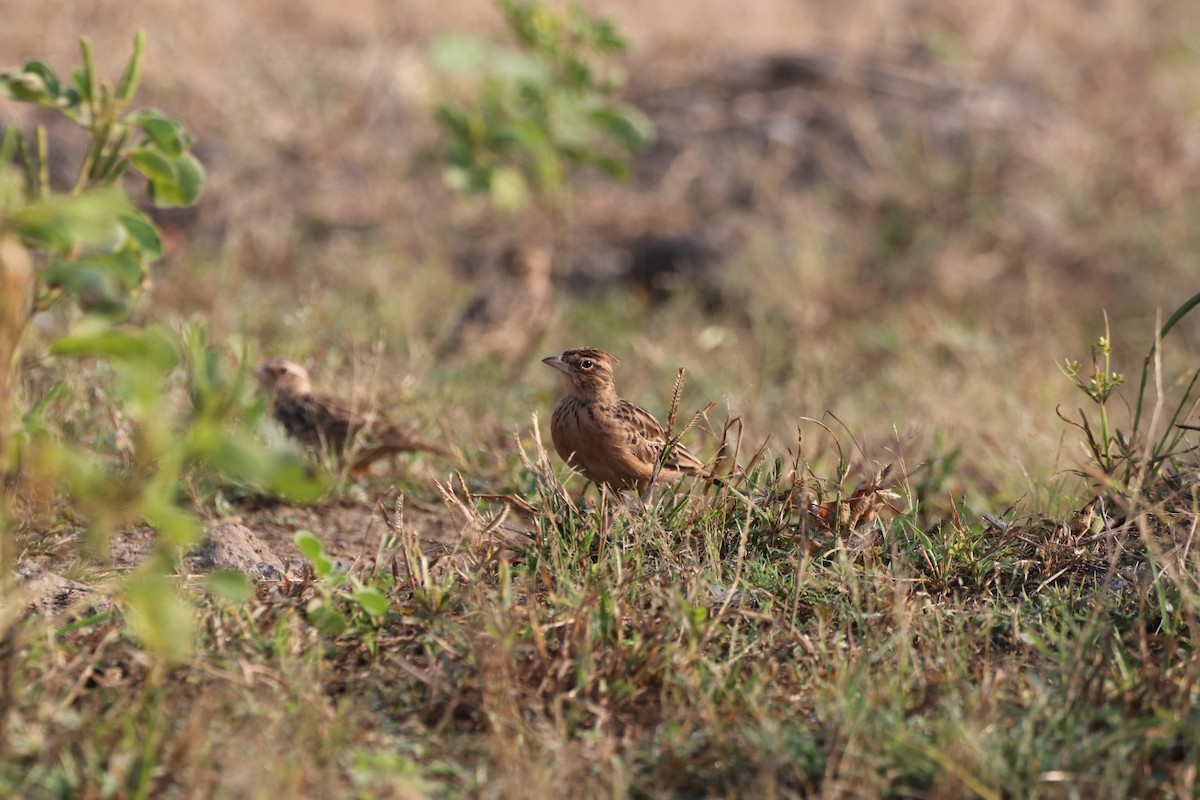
pixel 330 423
pixel 310 420
pixel 334 421
pixel 646 439
pixel 371 429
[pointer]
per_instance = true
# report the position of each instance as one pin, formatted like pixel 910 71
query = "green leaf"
pixel 124 265
pixel 10 142
pixel 613 167
pixel 191 180
pixel 293 477
pixel 168 135
pixel 322 567
pixel 233 452
pixel 97 289
pixel 625 124
pixel 133 70
pixel 158 616
pixel 606 37
pixel 66 222
pixel 143 231
pixel 308 544
pixel 238 454
pixel 174 181
pixel 86 77
pixel 27 87
pixel 43 71
pixel 371 600
pixel 150 347
pixel 453 120
pixel 176 525
pixel 80 81
pixel 325 618
pixel 152 163
pixel 52 94
pixel 231 584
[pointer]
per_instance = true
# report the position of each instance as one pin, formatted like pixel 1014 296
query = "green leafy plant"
pixel 1126 457
pixel 532 115
pixel 89 242
pixel 165 445
pixel 91 245
pixel 365 605
pixel 1099 386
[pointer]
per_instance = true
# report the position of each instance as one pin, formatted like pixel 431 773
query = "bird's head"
pixel 280 375
pixel 587 372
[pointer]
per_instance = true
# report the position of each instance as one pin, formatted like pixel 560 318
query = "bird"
pixel 611 441
pixel 321 422
pixel 507 318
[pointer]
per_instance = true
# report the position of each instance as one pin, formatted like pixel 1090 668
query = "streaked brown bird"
pixel 610 440
pixel 321 422
pixel 507 318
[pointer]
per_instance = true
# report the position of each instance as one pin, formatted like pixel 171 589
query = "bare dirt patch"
pixel 351 531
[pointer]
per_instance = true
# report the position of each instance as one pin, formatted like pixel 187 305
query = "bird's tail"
pixel 362 461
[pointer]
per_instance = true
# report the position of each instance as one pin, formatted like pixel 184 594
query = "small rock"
pixel 53 595
pixel 230 546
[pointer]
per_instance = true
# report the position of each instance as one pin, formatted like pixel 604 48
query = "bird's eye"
pixel 586 364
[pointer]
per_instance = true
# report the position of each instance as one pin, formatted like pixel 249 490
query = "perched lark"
pixel 509 315
pixel 610 440
pixel 327 423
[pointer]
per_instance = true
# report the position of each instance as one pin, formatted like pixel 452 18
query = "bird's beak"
pixel 260 372
pixel 556 362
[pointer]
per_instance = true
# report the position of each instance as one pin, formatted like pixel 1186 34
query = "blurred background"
pixel 904 213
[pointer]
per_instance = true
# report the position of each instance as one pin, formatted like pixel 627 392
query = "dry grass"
pixel 914 217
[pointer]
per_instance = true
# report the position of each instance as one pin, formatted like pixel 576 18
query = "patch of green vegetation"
pixel 701 643
pixel 539 111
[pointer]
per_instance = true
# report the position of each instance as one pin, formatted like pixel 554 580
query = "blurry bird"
pixel 610 440
pixel 358 437
pixel 507 318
